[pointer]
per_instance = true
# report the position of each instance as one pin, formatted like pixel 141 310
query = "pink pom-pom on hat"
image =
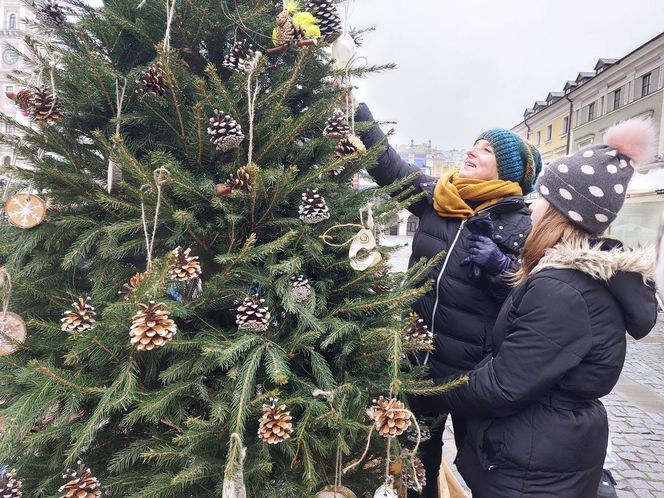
pixel 634 138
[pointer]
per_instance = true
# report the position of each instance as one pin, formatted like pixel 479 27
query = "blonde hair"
pixel 552 228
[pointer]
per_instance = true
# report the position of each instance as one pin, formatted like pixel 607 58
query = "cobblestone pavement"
pixel 636 419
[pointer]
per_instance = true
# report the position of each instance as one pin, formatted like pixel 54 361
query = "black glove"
pixel 486 254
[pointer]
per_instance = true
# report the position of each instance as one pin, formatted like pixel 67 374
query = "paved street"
pixel 636 419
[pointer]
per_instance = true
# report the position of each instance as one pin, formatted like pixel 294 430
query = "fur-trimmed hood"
pixel 625 272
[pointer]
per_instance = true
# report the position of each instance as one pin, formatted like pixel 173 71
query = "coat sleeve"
pixel 390 167
pixel 549 336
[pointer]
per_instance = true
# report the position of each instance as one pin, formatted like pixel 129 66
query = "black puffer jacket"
pixel 460 310
pixel 535 424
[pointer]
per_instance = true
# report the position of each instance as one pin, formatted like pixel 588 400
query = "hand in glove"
pixel 486 254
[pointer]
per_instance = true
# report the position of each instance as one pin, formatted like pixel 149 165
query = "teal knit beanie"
pixel 518 160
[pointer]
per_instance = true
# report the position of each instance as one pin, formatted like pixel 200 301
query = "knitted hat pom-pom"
pixel 634 138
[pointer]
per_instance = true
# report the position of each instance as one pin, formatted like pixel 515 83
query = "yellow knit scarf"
pixel 452 192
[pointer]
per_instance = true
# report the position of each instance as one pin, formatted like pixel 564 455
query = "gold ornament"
pixel 275 425
pixel 151 327
pixel 12 331
pixel 25 210
pixel 390 417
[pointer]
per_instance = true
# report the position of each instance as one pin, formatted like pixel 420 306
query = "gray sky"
pixel 468 65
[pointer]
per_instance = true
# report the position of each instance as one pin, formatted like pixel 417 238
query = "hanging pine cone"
pixel 152 81
pixel 82 484
pixel 50 14
pixel 336 126
pixel 79 319
pixel 348 145
pixel 44 106
pixel 300 288
pixel 225 132
pixel 384 283
pixel 275 425
pixel 390 417
pixel 419 334
pixel 151 327
pixel 245 178
pixel 22 99
pixel 313 208
pixel 252 315
pixel 287 32
pixel 129 288
pixel 10 487
pixel 407 475
pixel 329 21
pixel 240 56
pixel 183 267
pixel 425 432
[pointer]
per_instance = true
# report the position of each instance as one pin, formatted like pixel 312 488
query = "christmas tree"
pixel 179 254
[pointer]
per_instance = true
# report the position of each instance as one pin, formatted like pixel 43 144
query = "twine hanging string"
pixel 338 471
pixel 170 12
pixel 119 100
pixel 160 175
pixel 369 225
pixel 252 93
pixel 6 282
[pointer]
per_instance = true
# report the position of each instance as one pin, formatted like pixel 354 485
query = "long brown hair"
pixel 551 229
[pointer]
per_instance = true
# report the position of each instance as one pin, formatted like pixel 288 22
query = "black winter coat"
pixel 460 311
pixel 535 424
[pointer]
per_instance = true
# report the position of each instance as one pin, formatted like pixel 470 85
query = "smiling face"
pixel 480 162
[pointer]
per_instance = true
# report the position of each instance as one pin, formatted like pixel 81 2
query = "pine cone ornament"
pixel 329 21
pixel 129 288
pixel 225 132
pixel 245 178
pixel 152 81
pixel 313 208
pixel 275 424
pixel 300 288
pixel 287 32
pixel 10 487
pixel 22 99
pixel 336 126
pixel 390 417
pixel 240 56
pixel 419 334
pixel 44 106
pixel 184 267
pixel 79 319
pixel 350 145
pixel 384 284
pixel 82 484
pixel 407 476
pixel 252 316
pixel 50 14
pixel 151 327
pixel 425 432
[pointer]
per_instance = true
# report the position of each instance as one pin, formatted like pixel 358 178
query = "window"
pixel 645 85
pixel 394 230
pixel 565 125
pixel 412 225
pixel 9 56
pixel 9 129
pixel 11 22
pixel 591 111
pixel 549 132
pixel 616 99
pixel 576 117
pixel 6 161
pixel 538 138
pixel 9 89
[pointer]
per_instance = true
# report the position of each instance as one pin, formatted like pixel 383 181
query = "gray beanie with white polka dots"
pixel 589 187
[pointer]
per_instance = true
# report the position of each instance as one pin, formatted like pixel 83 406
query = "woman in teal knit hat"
pixel 478 217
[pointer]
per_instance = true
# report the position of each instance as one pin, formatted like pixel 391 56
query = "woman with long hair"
pixel 536 426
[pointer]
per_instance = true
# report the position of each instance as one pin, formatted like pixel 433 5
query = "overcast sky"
pixel 464 66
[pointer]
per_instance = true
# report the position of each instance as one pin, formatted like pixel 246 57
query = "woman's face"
pixel 537 210
pixel 480 162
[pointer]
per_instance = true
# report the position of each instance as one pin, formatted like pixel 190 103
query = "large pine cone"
pixel 252 315
pixel 151 327
pixel 329 21
pixel 152 81
pixel 287 31
pixel 51 14
pixel 10 487
pixel 336 126
pixel 81 318
pixel 349 145
pixel 44 106
pixel 129 288
pixel 275 425
pixel 419 334
pixel 82 484
pixel 407 474
pixel 300 288
pixel 313 208
pixel 184 267
pixel 240 57
pixel 390 417
pixel 225 133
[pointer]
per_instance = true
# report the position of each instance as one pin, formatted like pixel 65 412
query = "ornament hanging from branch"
pixel 25 210
pixel 81 484
pixel 313 208
pixel 337 126
pixel 152 81
pixel 390 417
pixel 22 100
pixel 44 106
pixel 50 14
pixel 129 289
pixel 79 319
pixel 240 56
pixel 300 288
pixel 10 487
pixel 151 327
pixel 185 272
pixel 329 21
pixel 275 425
pixel 419 334
pixel 294 29
pixel 114 173
pixel 13 331
pixel 253 315
pixel 225 132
